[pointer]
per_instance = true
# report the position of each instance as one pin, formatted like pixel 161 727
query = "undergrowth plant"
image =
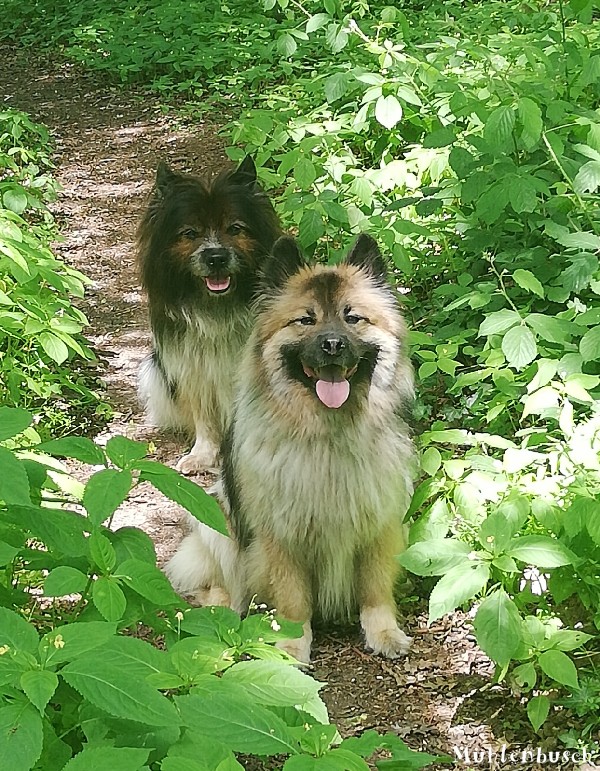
pixel 104 667
pixel 43 353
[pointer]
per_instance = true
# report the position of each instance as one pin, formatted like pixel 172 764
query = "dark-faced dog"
pixel 201 246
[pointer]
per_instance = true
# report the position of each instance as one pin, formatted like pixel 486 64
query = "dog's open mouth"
pixel 332 383
pixel 218 285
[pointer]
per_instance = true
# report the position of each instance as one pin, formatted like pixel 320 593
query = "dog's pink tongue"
pixel 333 394
pixel 218 286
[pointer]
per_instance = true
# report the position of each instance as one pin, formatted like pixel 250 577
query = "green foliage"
pixel 89 693
pixel 42 348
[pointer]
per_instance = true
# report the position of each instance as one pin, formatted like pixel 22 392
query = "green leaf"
pixel 238 722
pixel 498 627
pixel 388 111
pixel 119 692
pixel 108 759
pixel 102 552
pixel 67 642
pixel 15 200
pixel 108 597
pixel 39 686
pixel 311 228
pixel 431 460
pixel 13 421
pixel 530 116
pixel 14 482
pixel 519 346
pixel 305 173
pixel 559 667
pixel 538 709
pixel 61 531
pixel 148 581
pixel 435 557
pixel 54 347
pixel 456 586
pixel 317 21
pixel 104 492
pixel 185 493
pixel 587 179
pixel 336 86
pixel 552 329
pixel 132 543
pixel 77 447
pixel 124 452
pixel 7 553
pixel 496 531
pixel 64 580
pixel 540 551
pixel 17 633
pixel 498 322
pixel 499 126
pixel 569 639
pixel 21 736
pixel 526 280
pixel 522 194
pixel 543 399
pixel 280 685
pixel 286 44
pixel 589 345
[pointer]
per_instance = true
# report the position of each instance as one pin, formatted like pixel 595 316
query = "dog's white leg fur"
pixel 210 566
pixel 202 456
pixel 382 633
pixel 299 647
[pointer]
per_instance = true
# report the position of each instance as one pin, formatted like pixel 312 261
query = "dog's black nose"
pixel 215 257
pixel 332 345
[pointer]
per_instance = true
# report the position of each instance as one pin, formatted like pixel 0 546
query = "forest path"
pixel 108 143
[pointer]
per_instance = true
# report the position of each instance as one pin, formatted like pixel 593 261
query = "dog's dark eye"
pixel 189 233
pixel 305 321
pixel 352 318
pixel 235 229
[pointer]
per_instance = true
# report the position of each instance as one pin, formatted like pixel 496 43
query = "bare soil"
pixel 108 142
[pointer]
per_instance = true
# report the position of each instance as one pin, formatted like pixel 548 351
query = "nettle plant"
pixel 473 155
pixel 41 343
pixel 81 689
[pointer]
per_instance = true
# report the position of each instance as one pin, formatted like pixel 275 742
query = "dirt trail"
pixel 108 144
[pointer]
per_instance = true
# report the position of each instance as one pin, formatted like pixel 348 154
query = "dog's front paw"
pixel 390 643
pixel 195 462
pixel 298 649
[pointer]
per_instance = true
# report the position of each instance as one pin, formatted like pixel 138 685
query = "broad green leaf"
pixel 525 675
pixel 589 345
pixel 104 492
pixel 498 627
pixel 305 173
pixel 185 764
pixel 286 44
pixel 388 111
pixel 185 492
pixel 431 460
pixel 235 718
pixel 64 580
pixel 61 531
pixel 522 195
pixel 77 447
pixel 68 642
pixel 108 597
pixel 569 639
pixel 519 346
pixel 54 347
pixel 550 328
pixel 119 692
pixel 581 239
pixel 311 228
pixel 15 199
pixel 540 551
pixel 149 581
pixel 543 399
pixel 530 116
pixel 123 451
pixel 136 656
pixel 526 280
pixel 102 552
pixel 499 126
pixel 13 421
pixel 591 519
pixel 434 558
pixel 433 524
pixel 279 685
pixel 317 21
pixel 587 179
pixel 459 584
pixel 559 667
pixel 7 553
pixel 39 686
pixel 336 86
pixel 496 531
pixel 17 633
pixel 21 736
pixel 498 322
pixel 538 708
pixel 108 759
pixel 132 543
pixel 14 482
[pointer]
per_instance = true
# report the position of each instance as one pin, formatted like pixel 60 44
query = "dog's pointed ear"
pixel 285 260
pixel 245 174
pixel 365 254
pixel 165 177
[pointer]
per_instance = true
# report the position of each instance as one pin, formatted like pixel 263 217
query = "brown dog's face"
pixel 329 330
pixel 209 238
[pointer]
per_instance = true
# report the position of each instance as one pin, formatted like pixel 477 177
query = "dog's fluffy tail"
pixel 210 566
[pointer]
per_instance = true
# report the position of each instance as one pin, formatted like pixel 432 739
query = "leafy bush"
pixel 80 689
pixel 41 345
